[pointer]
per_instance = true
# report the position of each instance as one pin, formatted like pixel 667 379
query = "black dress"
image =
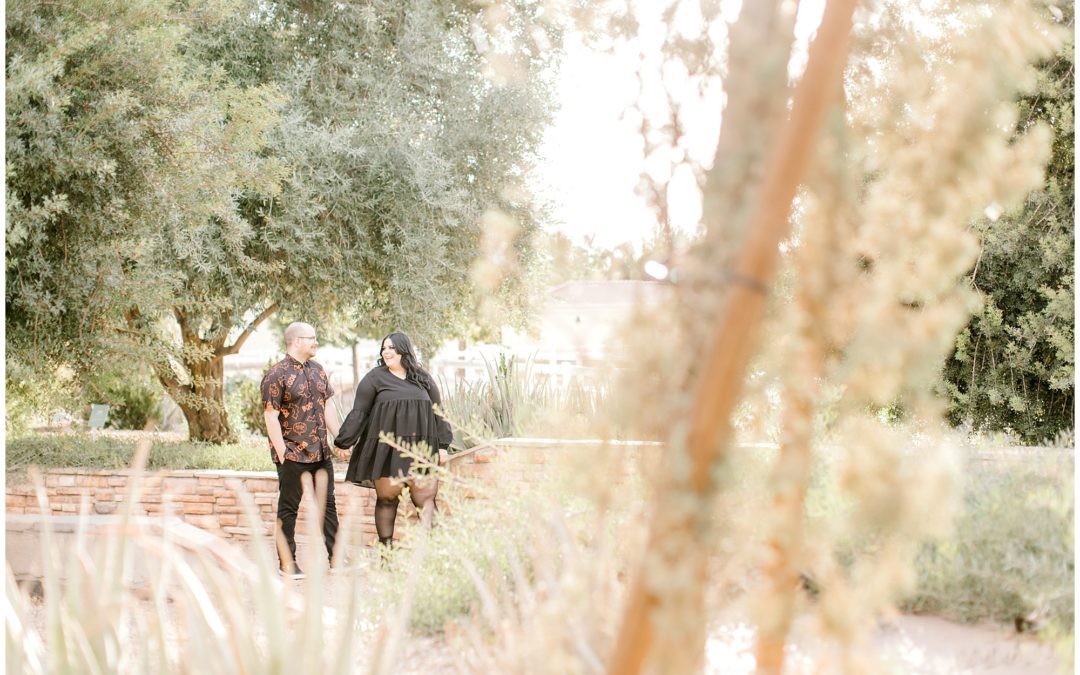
pixel 399 407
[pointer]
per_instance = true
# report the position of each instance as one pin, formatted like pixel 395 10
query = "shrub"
pixel 243 400
pixel 33 398
pixel 473 549
pixel 103 452
pixel 1011 553
pixel 1012 368
pixel 134 398
pixel 493 406
pixel 132 405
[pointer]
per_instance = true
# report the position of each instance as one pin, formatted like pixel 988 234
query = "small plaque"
pixel 99 414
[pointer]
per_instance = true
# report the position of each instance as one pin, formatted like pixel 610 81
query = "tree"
pixel 395 143
pixel 401 150
pixel 117 143
pixel 1013 365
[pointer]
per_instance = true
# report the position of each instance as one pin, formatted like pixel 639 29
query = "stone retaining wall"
pixel 209 499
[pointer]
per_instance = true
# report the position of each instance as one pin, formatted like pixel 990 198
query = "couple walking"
pixel 394 398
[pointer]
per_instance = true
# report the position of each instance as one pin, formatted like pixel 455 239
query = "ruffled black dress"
pixel 399 407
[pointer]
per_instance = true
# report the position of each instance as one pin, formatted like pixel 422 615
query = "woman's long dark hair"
pixel 414 372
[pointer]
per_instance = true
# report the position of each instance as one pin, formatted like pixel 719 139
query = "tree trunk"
pixel 200 390
pixel 205 408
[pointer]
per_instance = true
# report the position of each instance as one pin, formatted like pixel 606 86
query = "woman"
pixel 396 398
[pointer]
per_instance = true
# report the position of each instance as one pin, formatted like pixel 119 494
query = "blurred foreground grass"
pixel 1010 554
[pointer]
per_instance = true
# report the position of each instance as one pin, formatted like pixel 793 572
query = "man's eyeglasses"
pixel 308 337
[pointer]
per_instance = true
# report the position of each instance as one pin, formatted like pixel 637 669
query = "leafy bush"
pixel 470 550
pixel 1012 369
pixel 243 400
pixel 33 398
pixel 34 395
pixel 493 406
pixel 132 405
pixel 1011 554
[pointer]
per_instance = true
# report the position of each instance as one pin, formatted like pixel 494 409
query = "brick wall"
pixel 209 499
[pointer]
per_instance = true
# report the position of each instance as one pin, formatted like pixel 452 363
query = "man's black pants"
pixel 290 491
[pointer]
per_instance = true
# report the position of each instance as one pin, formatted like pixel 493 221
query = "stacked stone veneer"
pixel 211 499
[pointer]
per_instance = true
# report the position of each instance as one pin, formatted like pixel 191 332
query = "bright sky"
pixel 593 158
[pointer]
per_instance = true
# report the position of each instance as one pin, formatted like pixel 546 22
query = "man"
pixel 294 394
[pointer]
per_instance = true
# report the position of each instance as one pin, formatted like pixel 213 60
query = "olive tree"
pixel 330 162
pixel 1013 365
pixel 118 144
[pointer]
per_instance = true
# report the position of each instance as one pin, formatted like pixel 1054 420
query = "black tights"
pixel 387 490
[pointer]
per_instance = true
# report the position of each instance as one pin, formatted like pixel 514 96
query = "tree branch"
pixel 235 347
pixel 181 318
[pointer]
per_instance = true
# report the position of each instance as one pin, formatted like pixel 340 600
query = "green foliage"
pixel 513 401
pixel 396 151
pixel 106 452
pixel 127 163
pixel 1012 552
pixel 118 146
pixel 399 153
pixel 471 550
pixel 1013 366
pixel 244 402
pixel 179 174
pixel 133 400
pixel 486 408
pixel 37 394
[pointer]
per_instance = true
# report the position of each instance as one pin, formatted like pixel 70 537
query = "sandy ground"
pixel 927 644
pixel 919 645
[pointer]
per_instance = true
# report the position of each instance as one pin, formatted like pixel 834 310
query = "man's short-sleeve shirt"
pixel 299 391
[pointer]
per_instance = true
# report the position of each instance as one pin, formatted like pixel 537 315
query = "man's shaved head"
pixel 297 329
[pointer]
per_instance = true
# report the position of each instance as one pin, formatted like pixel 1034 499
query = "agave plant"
pixel 513 400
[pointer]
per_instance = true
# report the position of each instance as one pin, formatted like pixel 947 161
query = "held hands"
pixel 444 457
pixel 340 454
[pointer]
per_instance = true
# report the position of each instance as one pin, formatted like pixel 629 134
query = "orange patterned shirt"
pixel 299 391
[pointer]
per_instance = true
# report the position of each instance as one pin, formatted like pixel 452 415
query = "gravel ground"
pixel 918 645
pixel 915 645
